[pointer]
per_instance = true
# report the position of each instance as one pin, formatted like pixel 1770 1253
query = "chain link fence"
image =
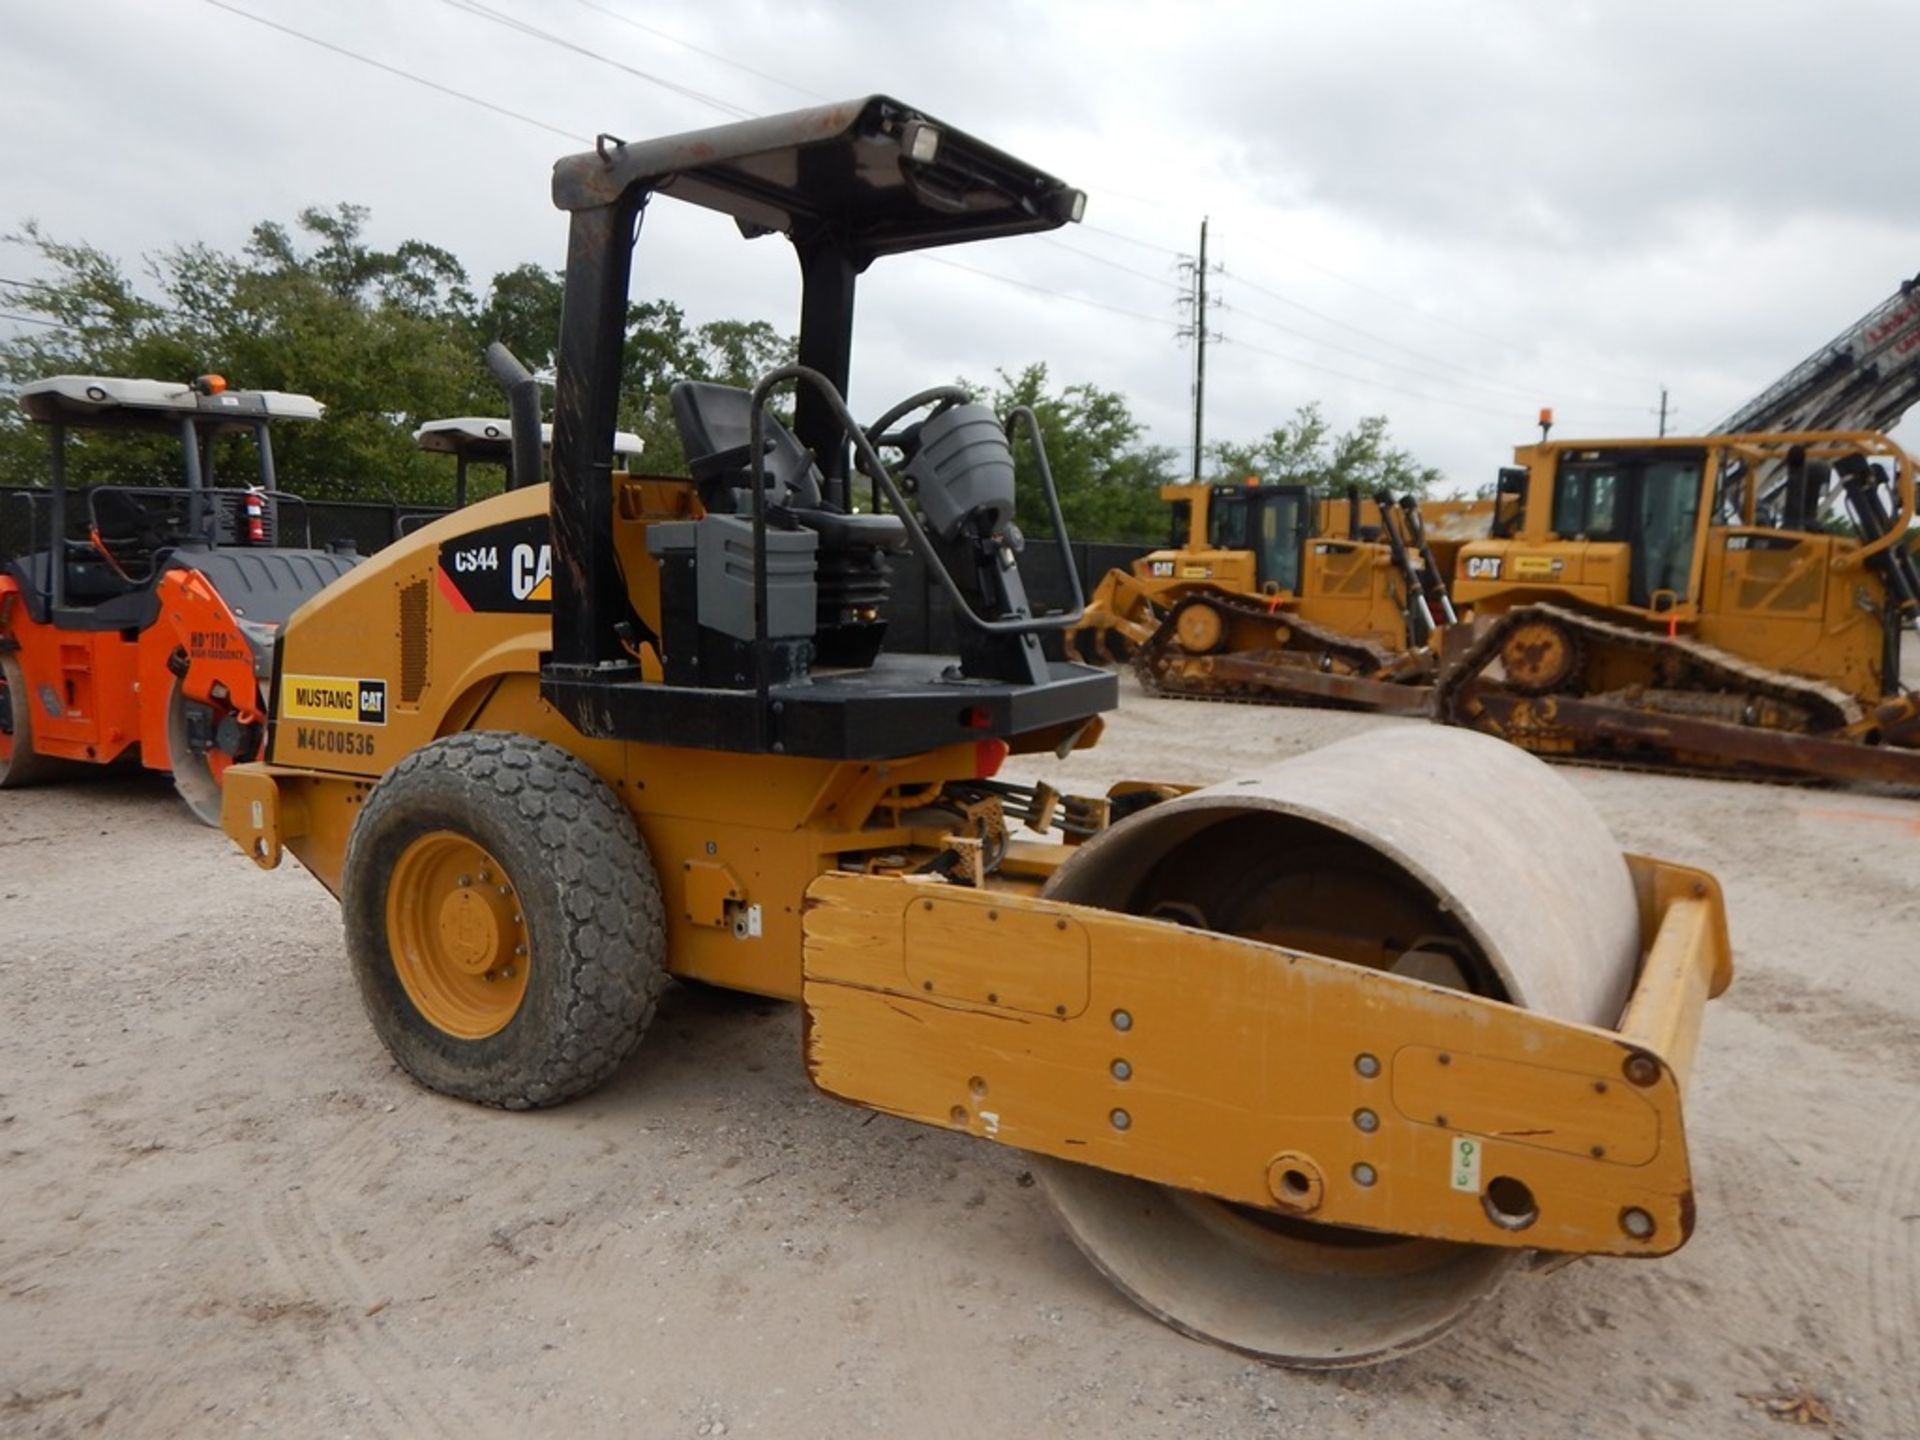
pixel 369 525
pixel 920 621
pixel 920 618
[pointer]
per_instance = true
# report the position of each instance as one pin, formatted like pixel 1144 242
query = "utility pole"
pixel 1200 352
pixel 1197 331
pixel 1663 412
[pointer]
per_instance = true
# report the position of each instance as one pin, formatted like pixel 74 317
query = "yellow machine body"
pixel 1659 599
pixel 737 838
pixel 1799 601
pixel 569 741
pixel 991 1008
pixel 913 1009
pixel 1349 586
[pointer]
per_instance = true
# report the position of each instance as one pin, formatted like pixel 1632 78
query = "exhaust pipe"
pixel 523 409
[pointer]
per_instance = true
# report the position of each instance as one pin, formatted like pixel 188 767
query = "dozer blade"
pixel 1308 1062
pixel 1266 675
pixel 1666 741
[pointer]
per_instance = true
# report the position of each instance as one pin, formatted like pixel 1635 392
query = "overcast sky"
pixel 1452 214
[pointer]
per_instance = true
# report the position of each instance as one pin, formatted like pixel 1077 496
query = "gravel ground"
pixel 226 1212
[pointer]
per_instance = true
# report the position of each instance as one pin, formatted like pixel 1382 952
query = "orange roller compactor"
pixel 151 637
pixel 1309 1062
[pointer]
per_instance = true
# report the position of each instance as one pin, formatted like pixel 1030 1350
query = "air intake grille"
pixel 413 642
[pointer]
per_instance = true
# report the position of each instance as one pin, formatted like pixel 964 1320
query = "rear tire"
pixel 520 986
pixel 20 763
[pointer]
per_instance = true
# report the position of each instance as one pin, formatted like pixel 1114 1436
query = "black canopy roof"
pixel 882 176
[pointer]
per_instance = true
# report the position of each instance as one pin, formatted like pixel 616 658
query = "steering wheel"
pixel 943 398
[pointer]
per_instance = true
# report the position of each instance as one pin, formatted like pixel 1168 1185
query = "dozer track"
pixel 1702 710
pixel 1299 663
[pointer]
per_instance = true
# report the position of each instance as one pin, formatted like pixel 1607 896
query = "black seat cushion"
pixel 90 581
pixel 714 422
pixel 854 532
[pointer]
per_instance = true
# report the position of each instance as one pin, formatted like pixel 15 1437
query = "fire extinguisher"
pixel 256 506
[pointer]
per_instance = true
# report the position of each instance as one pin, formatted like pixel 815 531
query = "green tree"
pixel 1306 451
pixel 386 338
pixel 662 348
pixel 522 312
pixel 1109 483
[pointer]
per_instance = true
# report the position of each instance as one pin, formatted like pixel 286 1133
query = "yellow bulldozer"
pixel 1302 1079
pixel 1276 593
pixel 1726 603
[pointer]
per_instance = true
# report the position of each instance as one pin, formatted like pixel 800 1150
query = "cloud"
pixel 1496 207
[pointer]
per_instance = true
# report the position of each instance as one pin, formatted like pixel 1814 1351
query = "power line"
pixel 1362 380
pixel 487 12
pixel 36 285
pixel 417 79
pixel 474 8
pixel 481 11
pixel 1173 285
pixel 1159 320
pixel 1354 329
pixel 1134 240
pixel 1440 319
pixel 1490 388
pixel 1391 344
pixel 1374 359
pixel 35 320
pixel 628 20
pixel 1256 349
pixel 72 294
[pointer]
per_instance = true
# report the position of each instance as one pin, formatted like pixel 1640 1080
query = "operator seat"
pixel 851 570
pixel 97 598
pixel 715 423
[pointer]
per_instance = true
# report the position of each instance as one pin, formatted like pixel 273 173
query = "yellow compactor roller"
pixel 1309 1061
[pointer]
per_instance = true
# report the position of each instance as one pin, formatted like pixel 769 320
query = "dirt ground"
pixel 224 1211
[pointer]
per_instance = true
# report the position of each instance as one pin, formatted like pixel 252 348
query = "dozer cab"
pixel 149 633
pixel 1303 1079
pixel 1272 593
pixel 1725 604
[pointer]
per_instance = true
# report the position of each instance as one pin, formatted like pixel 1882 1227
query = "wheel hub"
pixel 470 931
pixel 1201 628
pixel 457 935
pixel 1539 656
